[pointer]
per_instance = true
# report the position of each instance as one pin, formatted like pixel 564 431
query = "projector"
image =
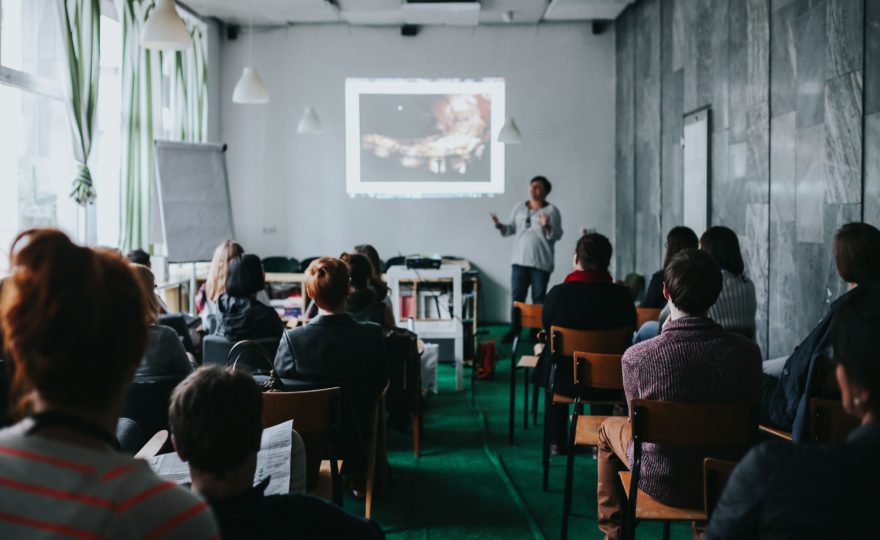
pixel 423 263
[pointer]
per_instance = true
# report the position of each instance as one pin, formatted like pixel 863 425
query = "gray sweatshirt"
pixel 532 244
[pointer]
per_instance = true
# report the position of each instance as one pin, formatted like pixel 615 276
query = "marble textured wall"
pixel 794 92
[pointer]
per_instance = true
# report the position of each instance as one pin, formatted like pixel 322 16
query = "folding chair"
pixel 720 426
pixel 528 316
pixel 644 314
pixel 377 437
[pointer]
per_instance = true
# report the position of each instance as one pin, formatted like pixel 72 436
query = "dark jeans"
pixel 521 277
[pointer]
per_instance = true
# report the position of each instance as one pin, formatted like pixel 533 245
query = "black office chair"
pixel 215 349
pixel 304 265
pixel 280 264
pixel 146 402
pixel 178 323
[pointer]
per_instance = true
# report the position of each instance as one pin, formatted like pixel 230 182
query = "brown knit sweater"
pixel 692 361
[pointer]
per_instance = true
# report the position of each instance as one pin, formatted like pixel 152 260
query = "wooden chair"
pixel 829 422
pixel 720 426
pixel 564 342
pixel 600 378
pixel 315 415
pixel 645 314
pixel 716 473
pixel 378 436
pixel 154 446
pixel 528 316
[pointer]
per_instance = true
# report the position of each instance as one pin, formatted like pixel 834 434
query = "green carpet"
pixel 470 483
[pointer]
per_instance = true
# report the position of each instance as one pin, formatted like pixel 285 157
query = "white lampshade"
pixel 164 29
pixel 510 134
pixel 309 123
pixel 250 88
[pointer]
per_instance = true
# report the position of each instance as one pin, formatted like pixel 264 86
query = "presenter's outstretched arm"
pixel 551 225
pixel 506 229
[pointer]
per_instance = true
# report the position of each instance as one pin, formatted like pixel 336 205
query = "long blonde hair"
pixel 223 255
pixel 148 283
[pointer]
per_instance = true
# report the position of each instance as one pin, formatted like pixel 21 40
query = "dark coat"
pixel 583 306
pixel 247 318
pixel 336 350
pixel 654 293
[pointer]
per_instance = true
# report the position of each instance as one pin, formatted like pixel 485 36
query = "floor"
pixel 470 483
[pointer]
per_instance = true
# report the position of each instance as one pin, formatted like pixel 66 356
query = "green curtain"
pixel 145 92
pixel 81 21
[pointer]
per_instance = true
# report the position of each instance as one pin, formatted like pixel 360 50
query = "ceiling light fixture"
pixel 250 90
pixel 164 29
pixel 510 134
pixel 309 123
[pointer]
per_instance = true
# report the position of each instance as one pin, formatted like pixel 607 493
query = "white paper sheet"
pixel 273 460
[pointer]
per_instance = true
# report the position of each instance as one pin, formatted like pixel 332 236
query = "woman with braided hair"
pixel 588 299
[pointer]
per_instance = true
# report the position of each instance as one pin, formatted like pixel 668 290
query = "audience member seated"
pixel 677 239
pixel 334 349
pixel 165 354
pixel 242 315
pixel 692 361
pixel 209 293
pixel 215 419
pixel 74 326
pixel 796 490
pixel 737 304
pixel 789 382
pixel 587 300
pixel 363 303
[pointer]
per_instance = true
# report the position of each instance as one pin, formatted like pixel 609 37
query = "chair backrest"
pixel 146 402
pixel 280 264
pixel 304 264
pixel 251 357
pixel 177 322
pixel 216 349
pixel 730 425
pixel 829 422
pixel 315 415
pixel 645 314
pixel 636 285
pixel 592 370
pixel 404 371
pixel 716 472
pixel 567 341
pixel 529 314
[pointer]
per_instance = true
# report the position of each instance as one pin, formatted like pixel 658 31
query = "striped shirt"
pixel 736 305
pixel 53 489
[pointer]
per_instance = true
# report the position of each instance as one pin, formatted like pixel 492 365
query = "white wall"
pixel 560 89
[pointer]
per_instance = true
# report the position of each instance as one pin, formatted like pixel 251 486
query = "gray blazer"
pixel 165 354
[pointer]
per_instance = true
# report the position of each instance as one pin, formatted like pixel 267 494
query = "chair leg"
pixel 569 471
pixel 545 455
pixel 666 530
pixel 417 433
pixel 535 406
pixel 512 412
pixel 525 398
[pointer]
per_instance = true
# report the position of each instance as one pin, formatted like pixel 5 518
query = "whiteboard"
pixel 194 205
pixel 696 170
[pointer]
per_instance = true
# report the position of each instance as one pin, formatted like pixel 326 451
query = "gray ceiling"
pixel 395 13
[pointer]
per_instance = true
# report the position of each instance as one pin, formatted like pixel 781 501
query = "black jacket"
pixel 802 490
pixel 364 306
pixel 583 306
pixel 247 318
pixel 253 515
pixel 654 293
pixel 336 350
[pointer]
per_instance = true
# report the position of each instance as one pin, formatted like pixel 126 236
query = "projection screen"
pixel 424 138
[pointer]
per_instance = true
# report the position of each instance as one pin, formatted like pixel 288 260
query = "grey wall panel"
pixel 625 219
pixel 782 302
pixel 845 31
pixel 872 56
pixel 811 66
pixel 738 65
pixel 843 138
pixel 872 169
pixel 754 244
pixel 783 76
pixel 810 185
pixel 720 100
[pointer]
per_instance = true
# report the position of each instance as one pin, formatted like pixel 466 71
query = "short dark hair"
pixel 370 252
pixel 857 253
pixel 360 270
pixel 677 239
pixel 216 418
pixel 594 252
pixel 693 280
pixel 246 276
pixel 139 256
pixel 853 341
pixel 548 187
pixel 723 244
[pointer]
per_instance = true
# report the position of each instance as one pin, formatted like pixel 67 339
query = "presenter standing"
pixel 536 226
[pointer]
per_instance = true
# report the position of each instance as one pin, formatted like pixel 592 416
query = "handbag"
pixel 487 356
pixel 241 349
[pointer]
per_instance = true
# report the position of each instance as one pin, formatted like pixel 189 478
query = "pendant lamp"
pixel 510 134
pixel 309 123
pixel 164 29
pixel 249 89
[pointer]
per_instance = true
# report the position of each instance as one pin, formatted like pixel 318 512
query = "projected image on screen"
pixel 417 138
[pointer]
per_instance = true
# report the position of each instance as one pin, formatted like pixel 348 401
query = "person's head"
pixel 148 283
pixel 215 418
pixel 539 188
pixel 857 253
pixel 359 269
pixel 692 281
pixel 854 347
pixel 677 239
pixel 593 253
pixel 246 276
pixel 327 283
pixel 370 253
pixel 223 255
pixel 139 256
pixel 73 324
pixel 723 245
